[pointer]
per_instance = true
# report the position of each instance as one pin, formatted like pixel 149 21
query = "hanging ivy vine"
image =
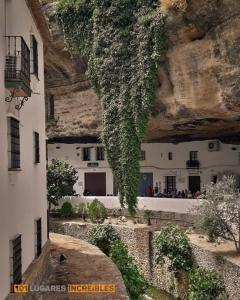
pixel 123 41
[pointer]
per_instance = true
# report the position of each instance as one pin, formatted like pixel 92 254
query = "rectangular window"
pixel 143 155
pixel 100 153
pixel 36 148
pixel 170 183
pixel 16 260
pixel 34 56
pixel 51 107
pixel 170 156
pixel 38 237
pixel 14 144
pixel 86 154
pixel 193 155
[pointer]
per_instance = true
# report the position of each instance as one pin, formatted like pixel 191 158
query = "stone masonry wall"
pixel 140 244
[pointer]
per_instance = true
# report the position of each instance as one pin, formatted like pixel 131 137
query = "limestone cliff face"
pixel 198 92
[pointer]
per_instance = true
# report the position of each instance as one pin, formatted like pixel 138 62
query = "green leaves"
pixel 173 243
pixel 204 284
pixel 97 211
pixel 103 237
pixel 123 41
pixel 134 282
pixel 61 178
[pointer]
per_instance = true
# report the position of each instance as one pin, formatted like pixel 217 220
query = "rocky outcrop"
pixel 198 90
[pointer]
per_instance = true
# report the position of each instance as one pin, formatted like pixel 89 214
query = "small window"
pixel 36 148
pixel 170 156
pixel 193 155
pixel 214 179
pixel 86 154
pixel 170 183
pixel 16 260
pixel 143 155
pixel 51 108
pixel 100 153
pixel 14 144
pixel 34 56
pixel 38 237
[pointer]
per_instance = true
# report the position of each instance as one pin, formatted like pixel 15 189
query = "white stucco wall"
pixel 156 162
pixel 23 192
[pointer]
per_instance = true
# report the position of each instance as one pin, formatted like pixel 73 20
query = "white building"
pixel 189 165
pixel 23 204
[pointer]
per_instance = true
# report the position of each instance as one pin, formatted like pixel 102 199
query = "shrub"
pixel 97 211
pixel 66 209
pixel 134 281
pixel 103 237
pixel 61 178
pixel 173 243
pixel 219 213
pixel 204 284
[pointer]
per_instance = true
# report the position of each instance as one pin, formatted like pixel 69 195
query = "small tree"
pixel 219 213
pixel 97 211
pixel 61 178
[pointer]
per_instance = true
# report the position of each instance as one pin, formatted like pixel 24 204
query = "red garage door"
pixel 95 183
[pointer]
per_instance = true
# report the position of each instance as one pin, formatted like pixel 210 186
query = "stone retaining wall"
pixel 140 244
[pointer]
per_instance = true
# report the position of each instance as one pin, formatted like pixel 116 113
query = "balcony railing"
pixel 17 66
pixel 193 164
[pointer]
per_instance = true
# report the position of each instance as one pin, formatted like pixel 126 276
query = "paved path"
pixel 177 205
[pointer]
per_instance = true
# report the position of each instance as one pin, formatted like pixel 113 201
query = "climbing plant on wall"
pixel 123 41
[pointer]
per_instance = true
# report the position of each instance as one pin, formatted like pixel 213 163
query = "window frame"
pixel 51 105
pixel 36 147
pixel 14 144
pixel 143 155
pixel 34 56
pixel 100 155
pixel 38 237
pixel 193 155
pixel 16 260
pixel 171 185
pixel 89 154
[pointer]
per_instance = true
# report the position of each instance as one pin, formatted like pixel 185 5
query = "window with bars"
pixel 16 260
pixel 38 237
pixel 34 54
pixel 170 156
pixel 170 183
pixel 143 155
pixel 36 148
pixel 86 154
pixel 100 153
pixel 14 144
pixel 51 107
pixel 193 155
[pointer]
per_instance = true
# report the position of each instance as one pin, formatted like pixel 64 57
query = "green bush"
pixel 97 211
pixel 103 237
pixel 61 178
pixel 134 281
pixel 205 285
pixel 66 209
pixel 173 243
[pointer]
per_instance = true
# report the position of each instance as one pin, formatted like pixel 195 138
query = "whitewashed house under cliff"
pixel 23 203
pixel 188 165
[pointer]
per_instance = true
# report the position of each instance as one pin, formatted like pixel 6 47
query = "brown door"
pixel 194 183
pixel 95 183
